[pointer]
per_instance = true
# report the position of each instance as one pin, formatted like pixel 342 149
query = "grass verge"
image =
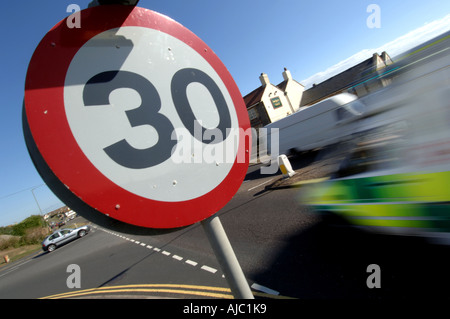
pixel 18 253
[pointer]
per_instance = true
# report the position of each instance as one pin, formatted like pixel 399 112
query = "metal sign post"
pixel 226 257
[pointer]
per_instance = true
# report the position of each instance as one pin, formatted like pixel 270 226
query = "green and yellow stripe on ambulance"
pixel 414 201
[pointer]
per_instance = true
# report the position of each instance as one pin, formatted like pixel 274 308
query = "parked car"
pixel 63 236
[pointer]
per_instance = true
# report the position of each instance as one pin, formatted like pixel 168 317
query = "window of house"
pixel 253 114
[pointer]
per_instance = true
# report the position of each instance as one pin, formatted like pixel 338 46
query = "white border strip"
pixel 265 289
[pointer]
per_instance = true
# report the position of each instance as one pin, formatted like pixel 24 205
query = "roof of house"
pixel 336 83
pixel 341 81
pixel 282 85
pixel 254 96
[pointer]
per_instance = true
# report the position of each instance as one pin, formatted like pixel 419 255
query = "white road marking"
pixel 14 268
pixel 192 263
pixel 210 269
pixel 259 185
pixel 188 261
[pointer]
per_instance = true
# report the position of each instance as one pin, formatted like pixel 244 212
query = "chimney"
pixel 386 58
pixel 287 75
pixel 377 62
pixel 264 79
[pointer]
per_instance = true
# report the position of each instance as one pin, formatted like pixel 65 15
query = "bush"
pixel 33 221
pixel 10 242
pixel 6 230
pixel 30 231
pixel 34 235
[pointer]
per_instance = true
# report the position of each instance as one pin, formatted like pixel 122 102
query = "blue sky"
pixel 313 39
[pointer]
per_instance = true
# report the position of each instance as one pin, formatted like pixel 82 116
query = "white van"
pixel 319 125
pixel 71 214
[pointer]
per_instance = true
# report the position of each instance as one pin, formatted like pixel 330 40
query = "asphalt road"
pixel 284 249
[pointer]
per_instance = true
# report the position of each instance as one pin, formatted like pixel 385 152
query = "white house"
pixel 269 103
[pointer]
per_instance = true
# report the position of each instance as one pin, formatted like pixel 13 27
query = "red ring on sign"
pixel 44 107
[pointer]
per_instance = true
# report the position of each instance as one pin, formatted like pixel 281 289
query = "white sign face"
pixel 131 97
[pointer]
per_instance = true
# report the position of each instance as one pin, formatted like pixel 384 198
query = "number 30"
pixel 98 88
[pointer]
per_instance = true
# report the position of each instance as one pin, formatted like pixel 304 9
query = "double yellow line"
pixel 142 290
pixel 203 291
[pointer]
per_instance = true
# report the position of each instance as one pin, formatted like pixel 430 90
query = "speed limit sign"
pixel 137 117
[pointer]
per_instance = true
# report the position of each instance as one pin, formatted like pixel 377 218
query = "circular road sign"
pixel 136 117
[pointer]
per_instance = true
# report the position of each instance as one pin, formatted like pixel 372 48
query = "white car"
pixel 63 236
